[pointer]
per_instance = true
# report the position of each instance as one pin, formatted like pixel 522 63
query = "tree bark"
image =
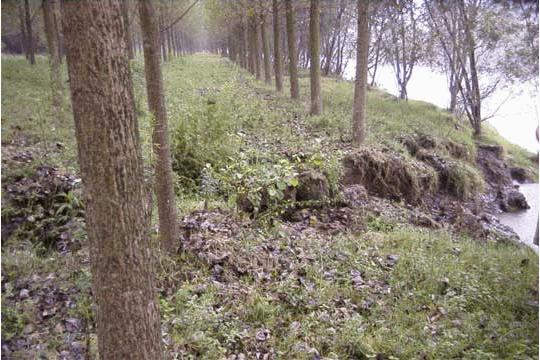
pixel 246 42
pixel 252 47
pixel 266 51
pixel 24 38
pixel 170 52
pixel 278 64
pixel 127 25
pixel 163 178
pixel 29 35
pixel 291 44
pixel 257 47
pixel 51 33
pixel 161 39
pixel 360 84
pixel 315 63
pixel 111 166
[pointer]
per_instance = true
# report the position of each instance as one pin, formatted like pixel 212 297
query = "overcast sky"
pixel 516 119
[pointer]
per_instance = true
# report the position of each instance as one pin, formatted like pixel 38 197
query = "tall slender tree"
pixel 360 84
pixel 112 173
pixel 291 44
pixel 266 50
pixel 257 46
pixel 163 178
pixel 278 64
pixel 127 24
pixel 29 33
pixel 51 32
pixel 315 63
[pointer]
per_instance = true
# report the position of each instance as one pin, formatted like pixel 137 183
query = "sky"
pixel 516 119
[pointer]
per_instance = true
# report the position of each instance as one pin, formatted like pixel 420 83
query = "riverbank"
pixel 285 254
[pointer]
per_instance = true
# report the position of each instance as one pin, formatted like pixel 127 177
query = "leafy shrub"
pixel 205 136
pixel 256 186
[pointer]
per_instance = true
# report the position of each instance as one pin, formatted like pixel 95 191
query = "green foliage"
pixel 463 181
pixel 264 184
pixel 13 322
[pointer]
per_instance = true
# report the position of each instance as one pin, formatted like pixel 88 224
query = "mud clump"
pixel 519 174
pixel 457 150
pixel 455 177
pixel 490 161
pixel 514 201
pixel 313 186
pixel 389 175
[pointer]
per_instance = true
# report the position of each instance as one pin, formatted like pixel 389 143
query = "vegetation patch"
pixel 43 205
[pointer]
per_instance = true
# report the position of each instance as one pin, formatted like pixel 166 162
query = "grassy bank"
pixel 379 289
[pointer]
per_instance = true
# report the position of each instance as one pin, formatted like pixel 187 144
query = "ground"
pixel 346 275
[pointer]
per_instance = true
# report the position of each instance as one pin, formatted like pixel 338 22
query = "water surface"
pixel 524 222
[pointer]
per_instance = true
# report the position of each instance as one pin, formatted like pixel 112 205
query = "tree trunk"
pixel 252 47
pixel 315 63
pixel 127 25
pixel 278 64
pixel 360 84
pixel 161 39
pixel 51 33
pixel 169 43
pixel 166 199
pixel 257 47
pixel 291 44
pixel 58 17
pixel 29 35
pixel 111 166
pixel 24 37
pixel 246 42
pixel 266 51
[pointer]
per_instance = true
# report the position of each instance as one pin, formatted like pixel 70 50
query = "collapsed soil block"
pixel 455 177
pixel 457 150
pixel 312 186
pixel 519 174
pixel 490 160
pixel 514 201
pixel 389 175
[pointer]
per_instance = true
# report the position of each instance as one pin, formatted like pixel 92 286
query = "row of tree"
pixel 96 37
pixel 480 45
pixel 98 45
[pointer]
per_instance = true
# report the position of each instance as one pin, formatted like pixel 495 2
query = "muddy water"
pixel 524 222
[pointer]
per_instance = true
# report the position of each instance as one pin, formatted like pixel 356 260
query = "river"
pixel 524 222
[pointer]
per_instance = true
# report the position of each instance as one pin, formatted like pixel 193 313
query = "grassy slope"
pixel 446 297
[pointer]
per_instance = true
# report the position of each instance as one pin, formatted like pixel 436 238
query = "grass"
pixel 390 291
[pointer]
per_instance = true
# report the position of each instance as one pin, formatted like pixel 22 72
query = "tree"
pixel 278 64
pixel 315 66
pixel 332 40
pixel 291 44
pixel 51 32
pixel 31 48
pixel 378 21
pixel 266 50
pixel 360 84
pixel 110 160
pixel 257 45
pixel 127 24
pixel 163 178
pixel 404 42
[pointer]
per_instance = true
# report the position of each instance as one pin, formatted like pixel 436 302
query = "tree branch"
pixel 179 18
